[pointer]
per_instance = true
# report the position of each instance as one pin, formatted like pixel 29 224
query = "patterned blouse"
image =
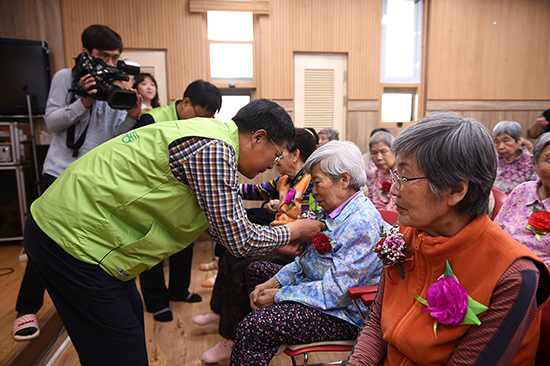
pixel 382 198
pixel 514 216
pixel 321 280
pixel 510 175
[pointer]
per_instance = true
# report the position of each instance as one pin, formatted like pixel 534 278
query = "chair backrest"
pixel 389 216
pixel 500 198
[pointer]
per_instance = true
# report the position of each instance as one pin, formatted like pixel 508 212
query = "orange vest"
pixel 479 255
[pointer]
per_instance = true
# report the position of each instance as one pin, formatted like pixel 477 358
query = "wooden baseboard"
pixel 33 352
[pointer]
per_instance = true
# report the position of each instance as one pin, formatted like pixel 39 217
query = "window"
pixel 231 46
pixel 401 41
pixel 232 101
pixel 399 105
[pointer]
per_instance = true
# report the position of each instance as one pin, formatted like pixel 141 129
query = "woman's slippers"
pixel 25 328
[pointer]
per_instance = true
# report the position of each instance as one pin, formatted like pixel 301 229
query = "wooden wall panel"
pixel 38 20
pixel 321 26
pixel 490 49
pixel 489 113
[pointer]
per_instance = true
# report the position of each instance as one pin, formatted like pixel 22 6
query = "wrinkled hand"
pixel 263 298
pixel 134 113
pixel 264 293
pixel 273 206
pixel 295 247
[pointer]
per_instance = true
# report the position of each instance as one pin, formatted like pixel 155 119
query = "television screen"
pixel 24 68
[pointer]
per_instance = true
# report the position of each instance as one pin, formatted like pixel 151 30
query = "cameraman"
pixel 78 124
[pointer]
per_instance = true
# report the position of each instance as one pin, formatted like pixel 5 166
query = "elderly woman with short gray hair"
pixel 383 158
pixel 306 300
pixel 446 165
pixel 327 135
pixel 514 158
pixel 531 199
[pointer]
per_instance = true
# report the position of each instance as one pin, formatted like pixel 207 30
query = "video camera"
pixel 104 77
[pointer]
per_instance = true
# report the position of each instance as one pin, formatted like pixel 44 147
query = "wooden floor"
pixel 180 342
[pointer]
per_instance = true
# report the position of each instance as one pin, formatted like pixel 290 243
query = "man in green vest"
pixel 200 99
pixel 139 198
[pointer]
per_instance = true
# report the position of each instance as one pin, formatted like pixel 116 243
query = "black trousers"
pixel 31 291
pixel 103 315
pixel 153 286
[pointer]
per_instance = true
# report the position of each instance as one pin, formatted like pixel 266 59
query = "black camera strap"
pixel 71 143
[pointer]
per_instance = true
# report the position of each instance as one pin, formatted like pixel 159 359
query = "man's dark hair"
pixel 267 115
pixel 204 94
pixel 379 129
pixel 101 38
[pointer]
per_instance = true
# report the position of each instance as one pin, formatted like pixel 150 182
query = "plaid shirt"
pixel 209 167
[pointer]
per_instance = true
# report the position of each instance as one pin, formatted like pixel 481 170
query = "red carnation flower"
pixel 321 243
pixel 540 220
pixel 386 186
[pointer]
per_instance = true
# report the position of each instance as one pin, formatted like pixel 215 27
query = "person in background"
pixel 230 302
pixel 306 301
pixel 383 158
pixel 514 159
pixel 200 99
pixel 446 165
pixel 78 124
pixel 540 126
pixel 524 215
pixel 371 167
pixel 327 134
pixel 140 198
pixel 147 87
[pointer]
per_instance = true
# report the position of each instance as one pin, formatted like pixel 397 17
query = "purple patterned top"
pixel 385 201
pixel 514 216
pixel 510 175
pixel 371 168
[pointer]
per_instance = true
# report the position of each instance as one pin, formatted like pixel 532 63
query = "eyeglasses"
pixel 196 114
pixel 398 181
pixel 280 157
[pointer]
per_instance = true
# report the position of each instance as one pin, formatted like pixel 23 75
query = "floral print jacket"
pixel 510 175
pixel 321 281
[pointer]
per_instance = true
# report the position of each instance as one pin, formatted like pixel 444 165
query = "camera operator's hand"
pixel 136 109
pixel 87 82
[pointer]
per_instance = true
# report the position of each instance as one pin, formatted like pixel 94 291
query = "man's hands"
pixel 87 82
pixel 295 247
pixel 264 294
pixel 305 229
pixel 534 130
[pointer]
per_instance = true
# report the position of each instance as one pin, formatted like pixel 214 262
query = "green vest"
pixel 166 113
pixel 119 206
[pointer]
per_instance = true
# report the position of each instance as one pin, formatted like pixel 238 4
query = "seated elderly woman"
pixel 328 134
pixel 306 300
pixel 514 158
pixel 467 293
pixel 383 158
pixel 524 215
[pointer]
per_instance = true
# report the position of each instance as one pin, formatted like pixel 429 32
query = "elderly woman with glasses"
pixel 524 215
pixel 514 158
pixel 463 291
pixel 306 300
pixel 383 158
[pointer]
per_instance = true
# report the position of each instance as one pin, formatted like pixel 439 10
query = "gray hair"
pixel 331 133
pixel 381 136
pixel 544 141
pixel 511 128
pixel 450 150
pixel 337 157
